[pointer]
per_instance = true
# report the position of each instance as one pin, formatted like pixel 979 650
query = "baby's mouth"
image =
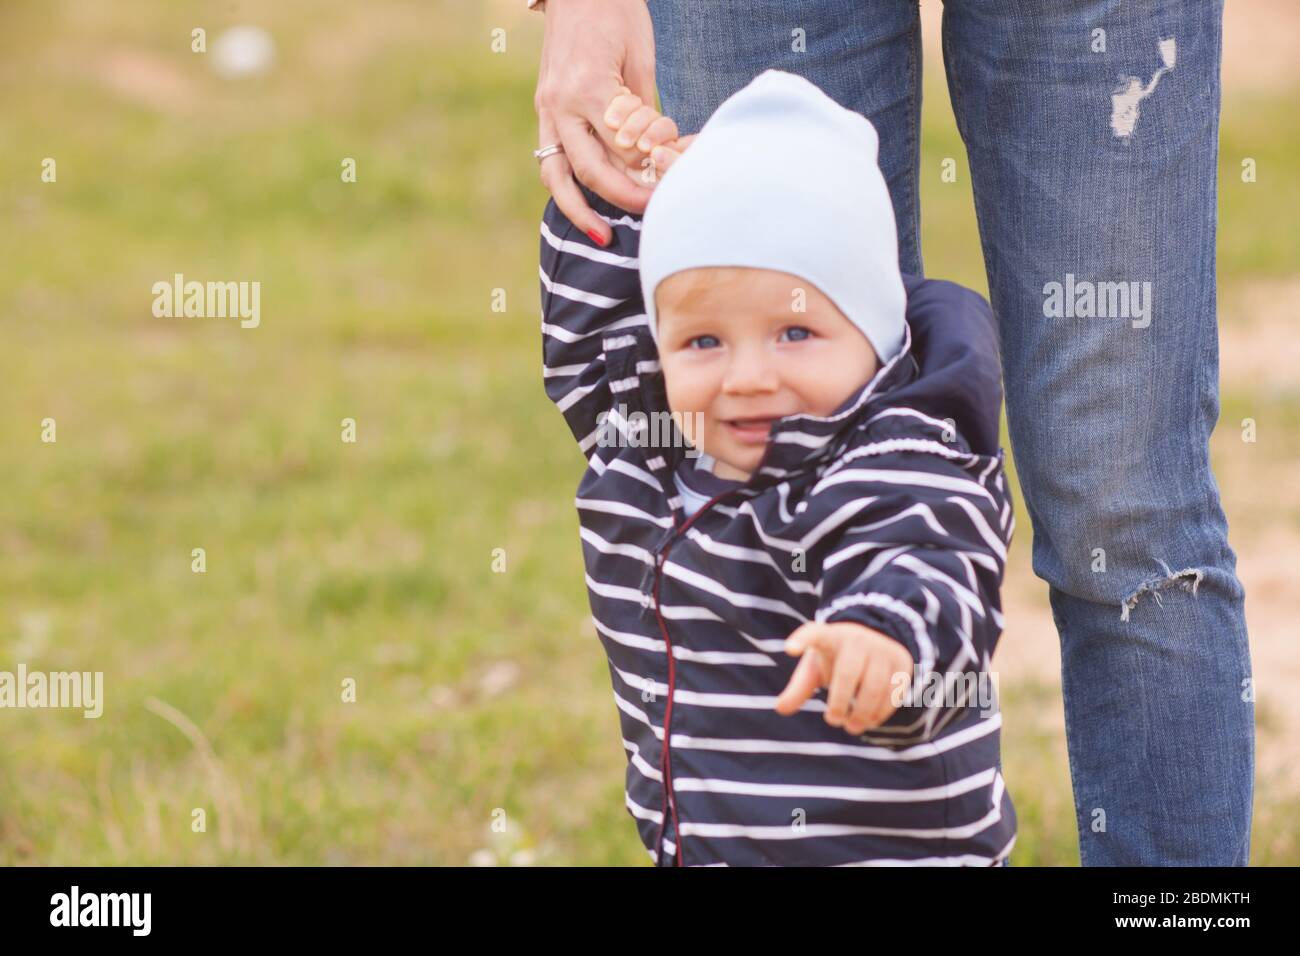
pixel 750 430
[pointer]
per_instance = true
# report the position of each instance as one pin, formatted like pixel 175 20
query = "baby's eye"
pixel 704 342
pixel 795 333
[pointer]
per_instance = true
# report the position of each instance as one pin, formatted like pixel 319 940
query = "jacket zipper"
pixel 669 803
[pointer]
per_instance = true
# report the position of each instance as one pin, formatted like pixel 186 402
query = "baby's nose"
pixel 750 375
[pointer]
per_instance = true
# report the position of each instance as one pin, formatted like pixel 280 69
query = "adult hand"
pixel 591 48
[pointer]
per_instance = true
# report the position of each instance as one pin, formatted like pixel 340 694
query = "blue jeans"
pixel 1093 158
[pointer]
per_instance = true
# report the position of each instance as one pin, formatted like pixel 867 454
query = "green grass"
pixel 326 561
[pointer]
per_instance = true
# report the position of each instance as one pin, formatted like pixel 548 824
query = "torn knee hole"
pixel 1188 579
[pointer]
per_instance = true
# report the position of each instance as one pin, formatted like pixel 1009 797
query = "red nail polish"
pixel 595 237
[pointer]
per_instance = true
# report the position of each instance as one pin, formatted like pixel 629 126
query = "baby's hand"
pixel 645 139
pixel 857 664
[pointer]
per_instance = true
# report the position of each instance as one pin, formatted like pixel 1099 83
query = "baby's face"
pixel 734 348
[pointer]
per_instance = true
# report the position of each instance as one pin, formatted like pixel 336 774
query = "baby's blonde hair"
pixel 691 285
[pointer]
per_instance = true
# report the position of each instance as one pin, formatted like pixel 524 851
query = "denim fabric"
pixel 1089 166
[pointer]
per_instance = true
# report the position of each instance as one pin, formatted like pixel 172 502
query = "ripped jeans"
pixel 1091 131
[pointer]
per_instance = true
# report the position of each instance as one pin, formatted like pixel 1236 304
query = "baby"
pixel 842 500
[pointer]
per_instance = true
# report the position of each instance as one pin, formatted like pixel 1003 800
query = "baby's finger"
pixel 663 158
pixel 620 108
pixel 801 637
pixel 803 684
pixel 661 130
pixel 634 125
pixel 850 662
pixel 872 705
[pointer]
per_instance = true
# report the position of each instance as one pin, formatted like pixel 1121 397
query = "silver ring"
pixel 541 154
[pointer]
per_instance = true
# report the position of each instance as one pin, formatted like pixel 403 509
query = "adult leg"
pixel 866 55
pixel 1094 159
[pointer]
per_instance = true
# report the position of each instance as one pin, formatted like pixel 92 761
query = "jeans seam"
pixel 959 114
pixel 914 139
pixel 1069 742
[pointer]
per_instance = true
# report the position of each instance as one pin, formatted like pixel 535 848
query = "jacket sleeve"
pixel 590 296
pixel 921 559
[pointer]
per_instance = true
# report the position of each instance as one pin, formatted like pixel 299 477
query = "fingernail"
pixel 595 237
pixel 622 141
pixel 643 145
pixel 614 119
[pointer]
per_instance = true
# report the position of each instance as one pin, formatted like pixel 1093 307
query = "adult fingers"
pixel 590 162
pixel 557 176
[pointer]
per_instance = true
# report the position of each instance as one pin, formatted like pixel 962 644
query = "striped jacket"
pixel 893 513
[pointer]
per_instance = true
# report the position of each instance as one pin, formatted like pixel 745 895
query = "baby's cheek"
pixel 688 390
pixel 823 394
pixel 686 407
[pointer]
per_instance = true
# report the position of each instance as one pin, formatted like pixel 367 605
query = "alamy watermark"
pixel 75 908
pixel 55 689
pixel 620 428
pixel 208 300
pixel 954 689
pixel 1084 299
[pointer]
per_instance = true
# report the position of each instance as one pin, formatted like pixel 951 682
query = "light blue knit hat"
pixel 782 177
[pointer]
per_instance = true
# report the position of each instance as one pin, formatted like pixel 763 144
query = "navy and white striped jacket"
pixel 894 513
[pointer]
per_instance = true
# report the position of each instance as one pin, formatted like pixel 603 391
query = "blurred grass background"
pixel 477 692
